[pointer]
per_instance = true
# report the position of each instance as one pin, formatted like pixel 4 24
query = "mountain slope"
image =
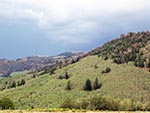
pixel 125 79
pixel 129 47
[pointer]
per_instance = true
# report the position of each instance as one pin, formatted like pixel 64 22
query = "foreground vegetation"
pixel 70 111
pixel 123 82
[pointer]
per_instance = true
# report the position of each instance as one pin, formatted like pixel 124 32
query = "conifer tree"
pixel 34 76
pixel 66 75
pixel 18 83
pixel 88 86
pixel 68 87
pixel 13 85
pixel 96 84
pixel 22 82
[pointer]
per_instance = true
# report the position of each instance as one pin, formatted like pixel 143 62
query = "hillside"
pixel 125 82
pixel 32 63
pixel 133 47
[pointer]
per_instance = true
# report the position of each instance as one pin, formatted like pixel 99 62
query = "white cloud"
pixel 73 20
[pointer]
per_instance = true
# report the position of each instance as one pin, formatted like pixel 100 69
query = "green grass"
pixel 47 91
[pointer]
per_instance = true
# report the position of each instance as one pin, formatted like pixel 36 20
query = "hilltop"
pixel 120 66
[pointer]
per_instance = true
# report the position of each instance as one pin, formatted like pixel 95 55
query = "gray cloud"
pixel 77 21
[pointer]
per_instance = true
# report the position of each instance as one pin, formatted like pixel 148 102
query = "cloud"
pixel 75 21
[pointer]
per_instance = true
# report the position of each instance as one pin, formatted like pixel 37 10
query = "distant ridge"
pixel 32 62
pixel 70 54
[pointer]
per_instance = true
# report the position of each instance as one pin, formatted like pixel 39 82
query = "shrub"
pixel 105 57
pixel 60 77
pixel 126 105
pixel 68 103
pixel 95 66
pixel 137 106
pixel 84 103
pixel 52 71
pixel 107 70
pixel 66 76
pixel 6 103
pixel 146 106
pixel 104 103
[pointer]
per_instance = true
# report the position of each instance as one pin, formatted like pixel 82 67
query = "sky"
pixel 50 27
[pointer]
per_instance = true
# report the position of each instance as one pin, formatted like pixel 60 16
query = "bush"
pixel 146 106
pixel 126 105
pixel 6 103
pixel 66 76
pixel 106 103
pixel 52 71
pixel 61 77
pixel 105 57
pixel 107 70
pixel 68 103
pixel 137 106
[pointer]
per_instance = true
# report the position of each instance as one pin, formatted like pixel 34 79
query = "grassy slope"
pixel 124 81
pixel 16 76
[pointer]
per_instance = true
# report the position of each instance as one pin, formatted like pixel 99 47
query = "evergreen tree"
pixel 88 86
pixel 34 76
pixel 52 71
pixel 18 83
pixel 127 58
pixel 133 56
pixel 96 84
pixel 68 87
pixel 66 75
pixel 141 63
pixel 13 85
pixel 22 82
